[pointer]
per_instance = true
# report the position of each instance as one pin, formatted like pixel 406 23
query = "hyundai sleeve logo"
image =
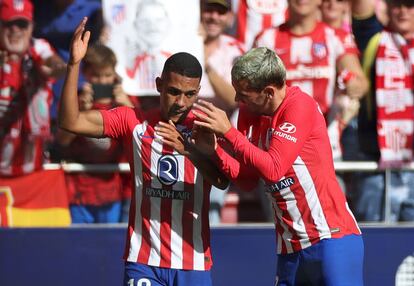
pixel 167 170
pixel 287 127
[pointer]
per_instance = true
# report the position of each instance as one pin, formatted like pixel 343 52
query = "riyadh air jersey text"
pixel 296 164
pixel 168 224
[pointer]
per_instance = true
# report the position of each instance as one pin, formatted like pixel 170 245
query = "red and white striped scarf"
pixel 394 96
pixel 25 99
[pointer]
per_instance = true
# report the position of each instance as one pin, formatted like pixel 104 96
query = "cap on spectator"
pixel 225 3
pixel 16 9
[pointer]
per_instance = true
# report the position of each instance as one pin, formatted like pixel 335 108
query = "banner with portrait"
pixel 144 33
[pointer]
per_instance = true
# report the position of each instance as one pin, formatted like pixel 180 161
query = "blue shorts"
pixel 137 274
pixel 336 261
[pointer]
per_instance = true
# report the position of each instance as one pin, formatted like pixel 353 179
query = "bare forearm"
pixel 360 88
pixel 87 123
pixel 69 107
pixel 357 85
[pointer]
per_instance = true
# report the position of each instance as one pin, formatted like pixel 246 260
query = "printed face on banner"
pixel 151 26
pixel 144 33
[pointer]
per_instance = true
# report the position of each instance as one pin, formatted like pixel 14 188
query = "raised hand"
pixel 214 118
pixel 79 43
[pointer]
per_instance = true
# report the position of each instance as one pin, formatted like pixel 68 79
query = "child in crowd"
pixel 96 197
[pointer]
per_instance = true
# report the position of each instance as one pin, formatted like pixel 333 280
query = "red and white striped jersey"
pixel 347 38
pixel 296 163
pixel 254 16
pixel 168 222
pixel 310 59
pixel 25 100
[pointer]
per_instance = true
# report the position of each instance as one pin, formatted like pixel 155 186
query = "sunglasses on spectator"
pixel 20 23
pixel 210 8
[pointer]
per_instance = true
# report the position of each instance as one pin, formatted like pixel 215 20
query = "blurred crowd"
pixel 355 57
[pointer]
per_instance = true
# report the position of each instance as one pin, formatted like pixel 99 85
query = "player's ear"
pixel 158 83
pixel 268 91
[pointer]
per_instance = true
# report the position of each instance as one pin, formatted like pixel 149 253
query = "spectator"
pixel 342 125
pixel 312 218
pixel 386 119
pixel 168 231
pixel 220 51
pixel 27 67
pixel 96 197
pixel 314 54
pixel 317 56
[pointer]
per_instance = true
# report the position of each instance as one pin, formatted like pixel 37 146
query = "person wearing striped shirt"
pixel 282 138
pixel 168 237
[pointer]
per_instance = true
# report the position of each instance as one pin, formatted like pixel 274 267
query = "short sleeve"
pixel 118 121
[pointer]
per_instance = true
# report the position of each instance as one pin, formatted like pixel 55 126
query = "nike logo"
pixel 141 134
